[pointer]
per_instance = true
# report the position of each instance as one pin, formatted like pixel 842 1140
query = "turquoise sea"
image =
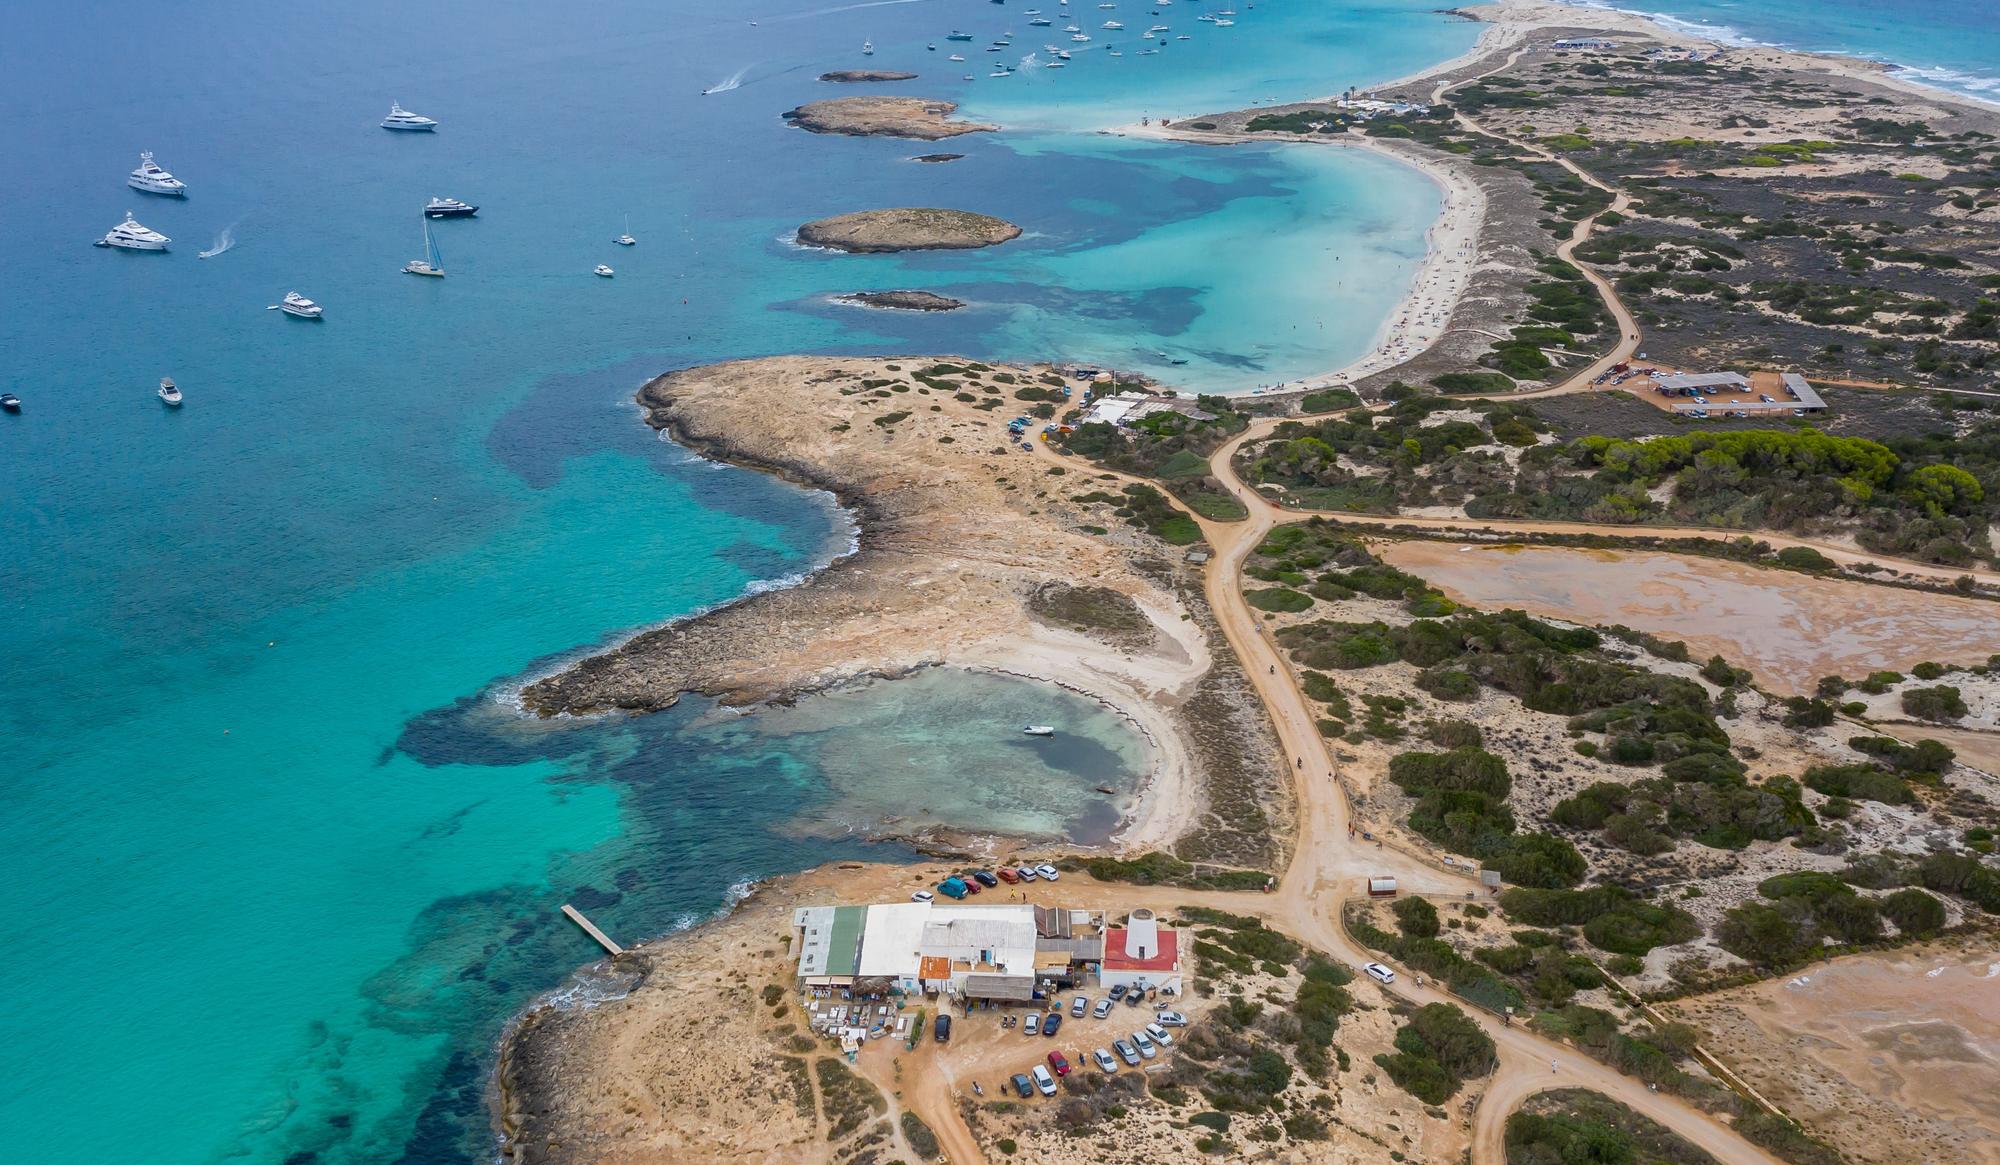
pixel 279 858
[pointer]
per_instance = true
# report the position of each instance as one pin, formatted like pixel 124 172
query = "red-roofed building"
pixel 1142 953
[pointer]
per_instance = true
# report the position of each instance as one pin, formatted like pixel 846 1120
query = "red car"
pixel 1007 875
pixel 971 887
pixel 1058 1063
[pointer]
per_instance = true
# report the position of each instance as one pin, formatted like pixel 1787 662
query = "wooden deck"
pixel 590 928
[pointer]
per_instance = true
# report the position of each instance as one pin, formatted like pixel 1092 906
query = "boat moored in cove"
pixel 1040 730
pixel 170 393
pixel 130 236
pixel 9 402
pixel 433 261
pixel 152 179
pixel 298 305
pixel 403 120
pixel 603 270
pixel 448 208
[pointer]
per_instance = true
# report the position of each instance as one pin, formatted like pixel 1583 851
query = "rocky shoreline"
pixel 901 300
pixel 861 76
pixel 921 118
pixel 907 228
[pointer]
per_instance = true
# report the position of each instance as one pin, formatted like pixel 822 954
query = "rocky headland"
pixel 901 300
pixel 896 117
pixel 858 76
pixel 907 228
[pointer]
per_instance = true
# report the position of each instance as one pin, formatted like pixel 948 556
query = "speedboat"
pixel 1112 24
pixel 9 402
pixel 150 178
pixel 130 236
pixel 1158 28
pixel 1041 22
pixel 603 270
pixel 1000 73
pixel 1079 37
pixel 448 208
pixel 957 35
pixel 1040 730
pixel 170 395
pixel 1054 65
pixel 298 305
pixel 867 48
pixel 402 119
pixel 1184 36
pixel 1223 22
pixel 1114 51
pixel 956 57
pixel 433 261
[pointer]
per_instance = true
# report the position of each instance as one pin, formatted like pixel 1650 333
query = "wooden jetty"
pixel 590 928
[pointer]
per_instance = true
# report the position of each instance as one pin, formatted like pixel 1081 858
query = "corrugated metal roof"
pixel 1082 949
pixel 1699 380
pixel 843 943
pixel 1052 922
pixel 1808 399
pixel 1015 988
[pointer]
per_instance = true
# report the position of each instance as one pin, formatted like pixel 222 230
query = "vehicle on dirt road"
pixel 1059 1063
pixel 1043 1081
pixel 1102 1009
pixel 1023 1085
pixel 1104 1061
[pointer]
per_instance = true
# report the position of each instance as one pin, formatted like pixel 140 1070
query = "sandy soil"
pixel 1893 1058
pixel 1789 629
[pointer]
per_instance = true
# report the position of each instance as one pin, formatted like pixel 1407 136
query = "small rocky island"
pixel 896 117
pixel 936 158
pixel 857 76
pixel 901 300
pixel 907 228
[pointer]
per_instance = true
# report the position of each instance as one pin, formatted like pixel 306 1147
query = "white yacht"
pixel 402 119
pixel 626 239
pixel 1040 730
pixel 956 57
pixel 1112 24
pixel 130 236
pixel 298 305
pixel 170 395
pixel 603 271
pixel 1158 28
pixel 1041 22
pixel 150 178
pixel 1224 22
pixel 867 48
pixel 1079 37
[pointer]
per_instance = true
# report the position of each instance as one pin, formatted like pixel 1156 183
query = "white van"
pixel 1378 972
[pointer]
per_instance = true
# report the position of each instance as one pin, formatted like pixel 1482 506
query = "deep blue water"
pixel 278 863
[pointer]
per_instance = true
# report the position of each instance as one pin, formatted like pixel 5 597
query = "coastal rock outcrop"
pixel 907 228
pixel 857 76
pixel 934 159
pixel 897 117
pixel 901 300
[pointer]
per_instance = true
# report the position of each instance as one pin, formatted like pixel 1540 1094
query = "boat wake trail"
pixel 223 242
pixel 837 8
pixel 734 80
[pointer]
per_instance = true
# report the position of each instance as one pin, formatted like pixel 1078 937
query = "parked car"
pixel 1102 1009
pixel 923 896
pixel 1078 1006
pixel 951 888
pixel 1048 872
pixel 1033 1024
pixel 1104 1061
pixel 1051 1023
pixel 1766 398
pixel 1117 992
pixel 1159 1035
pixel 1171 1019
pixel 1023 1085
pixel 970 883
pixel 1043 1080
pixel 1008 875
pixel 942 1029
pixel 1378 972
pixel 1126 1052
pixel 1027 873
pixel 1144 1043
pixel 1058 1063
pixel 985 878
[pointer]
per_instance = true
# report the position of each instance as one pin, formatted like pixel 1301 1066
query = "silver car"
pixel 1104 1061
pixel 1159 1035
pixel 1102 1009
pixel 1145 1045
pixel 1078 1006
pixel 1125 1052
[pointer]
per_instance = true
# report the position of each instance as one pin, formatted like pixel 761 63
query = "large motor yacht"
pixel 150 178
pixel 448 208
pixel 402 119
pixel 298 305
pixel 130 236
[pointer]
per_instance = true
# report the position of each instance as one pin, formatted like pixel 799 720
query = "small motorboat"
pixel 9 402
pixel 1040 730
pixel 957 35
pixel 931 47
pixel 956 57
pixel 298 305
pixel 603 270
pixel 170 393
pixel 867 48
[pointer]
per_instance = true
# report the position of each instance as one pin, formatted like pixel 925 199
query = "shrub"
pixel 1436 1051
pixel 1913 912
pixel 1278 599
pixel 1942 702
pixel 1416 917
pixel 1861 782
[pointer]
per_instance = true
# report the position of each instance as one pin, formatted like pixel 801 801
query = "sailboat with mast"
pixel 626 239
pixel 433 261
